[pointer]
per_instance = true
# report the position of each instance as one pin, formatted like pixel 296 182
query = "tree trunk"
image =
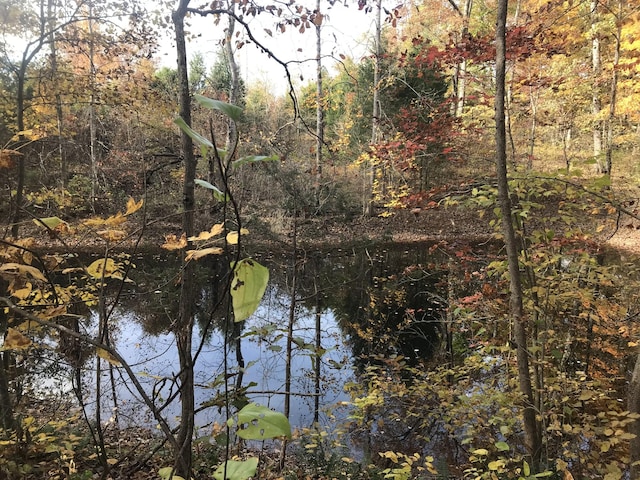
pixel 634 407
pixel 7 421
pixel 234 88
pixel 596 69
pixel 93 136
pixel 375 114
pixel 532 435
pixel 20 104
pixel 613 94
pixel 184 325
pixel 319 108
pixel 460 80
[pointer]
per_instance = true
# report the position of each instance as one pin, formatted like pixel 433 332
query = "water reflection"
pixel 350 307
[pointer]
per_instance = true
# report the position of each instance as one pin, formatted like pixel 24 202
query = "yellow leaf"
pixel 53 312
pixel 94 222
pixel 15 340
pixel 496 464
pixel 481 452
pixel 112 461
pixel 393 456
pixel 116 219
pixel 132 206
pixel 102 353
pixel 112 235
pixel 197 254
pixel 105 267
pixel 19 269
pixel 586 395
pixel 171 242
pixel 113 220
pixel 206 235
pixel 24 292
pixel 232 238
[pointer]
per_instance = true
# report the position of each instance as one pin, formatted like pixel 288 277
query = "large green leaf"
pixel 249 283
pixel 255 158
pixel 257 422
pixel 166 473
pixel 205 143
pixel 49 222
pixel 217 193
pixel 236 470
pixel 232 111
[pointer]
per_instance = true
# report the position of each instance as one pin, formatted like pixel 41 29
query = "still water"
pixel 348 307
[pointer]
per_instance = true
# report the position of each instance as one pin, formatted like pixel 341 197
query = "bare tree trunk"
pixel 596 69
pixel 368 208
pixel 184 326
pixel 7 421
pixel 19 198
pixel 533 101
pixel 461 69
pixel 319 106
pixel 532 436
pixel 234 88
pixel 634 407
pixel 613 94
pixel 58 97
pixel 93 137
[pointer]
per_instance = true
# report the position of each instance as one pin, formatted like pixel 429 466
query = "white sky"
pixel 345 31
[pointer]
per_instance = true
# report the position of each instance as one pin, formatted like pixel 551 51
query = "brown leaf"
pixel 15 340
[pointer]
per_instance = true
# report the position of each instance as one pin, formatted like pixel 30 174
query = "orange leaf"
pixel 132 206
pixel 171 242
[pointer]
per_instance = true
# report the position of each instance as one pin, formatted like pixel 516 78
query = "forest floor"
pixel 453 225
pixel 443 224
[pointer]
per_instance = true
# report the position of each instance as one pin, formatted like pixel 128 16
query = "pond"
pixel 344 309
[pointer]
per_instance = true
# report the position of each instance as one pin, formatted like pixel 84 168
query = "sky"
pixel 346 31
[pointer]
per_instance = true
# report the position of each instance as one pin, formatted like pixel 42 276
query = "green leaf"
pixel 236 470
pixel 257 422
pixel 602 182
pixel 502 446
pixel 217 193
pixel 525 468
pixel 49 222
pixel 249 283
pixel 255 158
pixel 195 136
pixel 232 111
pixel 166 473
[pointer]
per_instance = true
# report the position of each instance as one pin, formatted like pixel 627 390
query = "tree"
pixel 519 320
pixel 319 105
pixel 184 323
pixel 368 205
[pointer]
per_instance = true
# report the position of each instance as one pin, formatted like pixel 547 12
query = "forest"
pixel 416 262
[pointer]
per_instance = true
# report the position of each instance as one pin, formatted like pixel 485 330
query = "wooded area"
pixel 520 119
